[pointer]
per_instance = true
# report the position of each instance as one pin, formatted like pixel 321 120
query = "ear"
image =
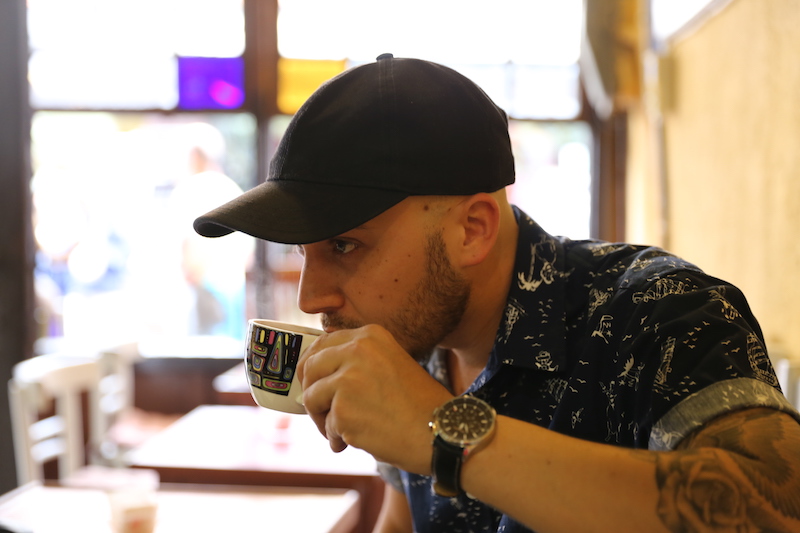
pixel 480 224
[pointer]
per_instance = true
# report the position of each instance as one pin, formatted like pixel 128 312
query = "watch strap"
pixel 446 467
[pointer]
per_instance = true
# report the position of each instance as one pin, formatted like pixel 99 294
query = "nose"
pixel 318 291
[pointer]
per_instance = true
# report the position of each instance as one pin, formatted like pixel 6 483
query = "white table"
pixel 187 508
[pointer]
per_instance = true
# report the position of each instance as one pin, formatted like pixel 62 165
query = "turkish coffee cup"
pixel 272 352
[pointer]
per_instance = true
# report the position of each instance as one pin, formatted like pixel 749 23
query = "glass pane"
pixel 545 92
pixel 210 82
pixel 123 54
pixel 211 28
pixel 553 167
pixel 523 53
pixel 529 91
pixel 299 78
pixel 115 196
pixel 97 79
pixel 543 32
pixel 446 31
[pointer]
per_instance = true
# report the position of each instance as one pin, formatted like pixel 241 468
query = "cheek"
pixel 392 287
pixel 387 282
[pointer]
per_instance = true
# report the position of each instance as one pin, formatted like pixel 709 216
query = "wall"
pixel 731 148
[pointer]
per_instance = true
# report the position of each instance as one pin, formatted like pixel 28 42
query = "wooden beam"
pixel 17 329
pixel 261 85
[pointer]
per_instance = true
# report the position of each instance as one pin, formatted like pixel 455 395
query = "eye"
pixel 343 247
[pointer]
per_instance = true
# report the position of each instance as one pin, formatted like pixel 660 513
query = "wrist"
pixel 460 427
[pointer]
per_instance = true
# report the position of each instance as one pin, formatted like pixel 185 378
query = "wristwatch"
pixel 461 426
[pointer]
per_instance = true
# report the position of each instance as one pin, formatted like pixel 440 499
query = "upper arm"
pixel 761 431
pixel 742 468
pixel 395 515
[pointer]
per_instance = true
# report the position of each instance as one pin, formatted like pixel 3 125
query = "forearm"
pixel 562 484
pixel 552 483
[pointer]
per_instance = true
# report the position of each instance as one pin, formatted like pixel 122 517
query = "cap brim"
pixel 293 212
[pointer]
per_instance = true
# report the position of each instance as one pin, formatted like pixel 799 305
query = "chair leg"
pixel 26 469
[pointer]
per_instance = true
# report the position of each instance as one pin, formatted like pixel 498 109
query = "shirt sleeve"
pixel 705 355
pixel 391 475
pixel 708 403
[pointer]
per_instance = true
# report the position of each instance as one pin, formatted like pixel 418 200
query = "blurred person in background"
pixel 215 271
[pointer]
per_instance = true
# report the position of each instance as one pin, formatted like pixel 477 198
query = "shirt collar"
pixel 532 331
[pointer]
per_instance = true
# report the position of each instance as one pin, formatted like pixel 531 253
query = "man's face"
pixel 393 271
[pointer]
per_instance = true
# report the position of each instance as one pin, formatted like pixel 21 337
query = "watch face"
pixel 465 420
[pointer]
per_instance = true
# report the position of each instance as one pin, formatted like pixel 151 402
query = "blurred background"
pixel 144 118
pixel 670 122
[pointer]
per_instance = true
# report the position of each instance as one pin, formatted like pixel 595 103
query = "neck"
pixel 470 345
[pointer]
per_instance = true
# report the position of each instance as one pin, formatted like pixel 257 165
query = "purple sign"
pixel 210 82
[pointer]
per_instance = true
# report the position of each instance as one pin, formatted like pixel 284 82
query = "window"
pixel 117 182
pixel 135 54
pixel 114 199
pixel 523 53
pixel 133 98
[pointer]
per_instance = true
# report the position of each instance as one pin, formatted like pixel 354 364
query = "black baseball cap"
pixel 364 141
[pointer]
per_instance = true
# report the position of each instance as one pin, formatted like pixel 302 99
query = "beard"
pixel 433 309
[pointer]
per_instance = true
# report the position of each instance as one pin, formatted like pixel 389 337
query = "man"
pixel 564 386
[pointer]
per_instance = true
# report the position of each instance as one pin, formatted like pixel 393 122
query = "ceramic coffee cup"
pixel 271 355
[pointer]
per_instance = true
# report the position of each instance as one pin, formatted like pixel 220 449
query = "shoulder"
pixel 626 263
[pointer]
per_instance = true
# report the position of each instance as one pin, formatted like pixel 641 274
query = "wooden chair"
pixel 52 383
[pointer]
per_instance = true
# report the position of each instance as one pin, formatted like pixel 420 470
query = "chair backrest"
pixel 57 380
pixel 115 401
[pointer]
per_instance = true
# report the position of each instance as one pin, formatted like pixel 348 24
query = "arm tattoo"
pixel 740 474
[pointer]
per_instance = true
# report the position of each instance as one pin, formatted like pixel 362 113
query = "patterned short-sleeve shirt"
pixel 611 343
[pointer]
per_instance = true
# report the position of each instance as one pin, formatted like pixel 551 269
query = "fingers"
pixel 326 357
pixel 350 379
pixel 317 367
pixel 318 399
pixel 324 341
pixel 317 370
pixel 329 368
pixel 335 441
